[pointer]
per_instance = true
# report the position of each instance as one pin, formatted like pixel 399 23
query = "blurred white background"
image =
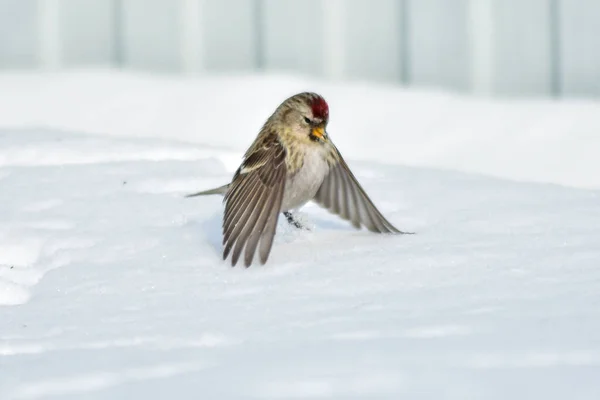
pixel 492 47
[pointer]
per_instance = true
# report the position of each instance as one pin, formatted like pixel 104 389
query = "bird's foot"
pixel 294 222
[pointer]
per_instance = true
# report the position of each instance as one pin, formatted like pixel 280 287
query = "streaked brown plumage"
pixel 291 162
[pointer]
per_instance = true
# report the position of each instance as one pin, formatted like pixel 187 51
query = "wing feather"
pixel 342 194
pixel 243 220
pixel 352 200
pixel 250 226
pixel 238 192
pixel 232 227
pixel 268 235
pixel 268 213
pixel 342 197
pixel 253 201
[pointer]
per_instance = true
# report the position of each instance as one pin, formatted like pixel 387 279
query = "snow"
pixel 112 284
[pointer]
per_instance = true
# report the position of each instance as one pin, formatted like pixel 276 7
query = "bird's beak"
pixel 320 133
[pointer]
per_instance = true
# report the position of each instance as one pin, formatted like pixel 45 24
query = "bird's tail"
pixel 220 190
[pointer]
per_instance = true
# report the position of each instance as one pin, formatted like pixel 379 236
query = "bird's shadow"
pixel 212 227
pixel 319 223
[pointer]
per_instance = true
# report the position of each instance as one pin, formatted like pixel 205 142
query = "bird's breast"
pixel 301 186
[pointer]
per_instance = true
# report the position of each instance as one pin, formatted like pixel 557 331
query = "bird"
pixel 292 161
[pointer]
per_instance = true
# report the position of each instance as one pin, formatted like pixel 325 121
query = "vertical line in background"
pixel 117 36
pixel 49 34
pixel 334 44
pixel 404 33
pixel 191 39
pixel 259 32
pixel 555 48
pixel 481 45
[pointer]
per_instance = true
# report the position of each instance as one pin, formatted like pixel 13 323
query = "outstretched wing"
pixel 341 194
pixel 253 202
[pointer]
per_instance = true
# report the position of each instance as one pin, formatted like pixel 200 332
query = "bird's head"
pixel 305 116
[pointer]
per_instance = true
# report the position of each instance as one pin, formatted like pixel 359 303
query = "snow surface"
pixel 112 284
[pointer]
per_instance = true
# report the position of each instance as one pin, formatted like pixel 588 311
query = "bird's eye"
pixel 307 120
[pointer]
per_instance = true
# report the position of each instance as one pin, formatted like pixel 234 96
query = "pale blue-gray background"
pixel 498 47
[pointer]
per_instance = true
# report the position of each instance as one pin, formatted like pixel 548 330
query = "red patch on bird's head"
pixel 319 108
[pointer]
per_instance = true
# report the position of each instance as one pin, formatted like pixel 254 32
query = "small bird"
pixel 291 162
